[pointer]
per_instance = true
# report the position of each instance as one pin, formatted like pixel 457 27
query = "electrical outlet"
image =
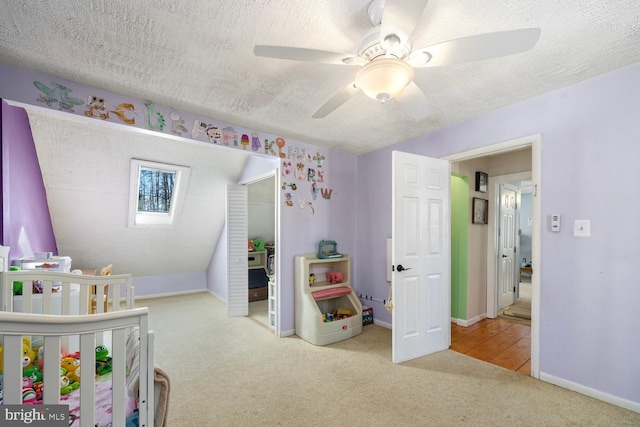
pixel 582 228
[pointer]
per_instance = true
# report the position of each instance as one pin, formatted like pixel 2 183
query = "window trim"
pixel 157 219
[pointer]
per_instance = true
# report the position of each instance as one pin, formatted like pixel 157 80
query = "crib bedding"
pixel 104 404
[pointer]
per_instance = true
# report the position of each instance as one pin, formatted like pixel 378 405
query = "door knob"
pixel 401 268
pixel 504 256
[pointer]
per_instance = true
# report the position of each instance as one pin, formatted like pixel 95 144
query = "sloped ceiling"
pixel 86 169
pixel 198 56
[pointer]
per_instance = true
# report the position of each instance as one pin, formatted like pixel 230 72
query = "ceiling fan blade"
pixel 400 17
pixel 306 55
pixel 476 48
pixel 336 100
pixel 414 102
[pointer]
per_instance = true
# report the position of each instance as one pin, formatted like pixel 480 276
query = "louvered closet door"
pixel 237 236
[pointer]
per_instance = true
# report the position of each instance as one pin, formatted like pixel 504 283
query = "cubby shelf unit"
pixel 317 296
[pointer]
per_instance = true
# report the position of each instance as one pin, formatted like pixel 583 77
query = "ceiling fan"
pixel 387 59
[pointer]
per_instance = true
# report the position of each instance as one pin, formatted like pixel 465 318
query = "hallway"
pixel 498 341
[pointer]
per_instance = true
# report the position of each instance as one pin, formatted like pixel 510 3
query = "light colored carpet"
pixel 235 372
pixel 259 311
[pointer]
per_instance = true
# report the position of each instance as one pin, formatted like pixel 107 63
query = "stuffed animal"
pixel 258 245
pixel 40 357
pixel 66 385
pixel 28 393
pixel 72 368
pixel 33 373
pixel 103 361
pixel 28 355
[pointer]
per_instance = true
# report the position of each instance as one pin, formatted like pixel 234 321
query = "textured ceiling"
pixel 198 56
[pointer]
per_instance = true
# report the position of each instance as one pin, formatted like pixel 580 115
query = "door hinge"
pixel 514 289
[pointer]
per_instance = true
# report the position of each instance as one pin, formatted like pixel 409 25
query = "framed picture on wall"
pixel 482 182
pixel 480 211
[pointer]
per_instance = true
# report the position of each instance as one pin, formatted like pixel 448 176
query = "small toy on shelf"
pixel 328 249
pixel 258 245
pixel 335 277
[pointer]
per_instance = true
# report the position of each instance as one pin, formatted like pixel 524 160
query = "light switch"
pixel 582 228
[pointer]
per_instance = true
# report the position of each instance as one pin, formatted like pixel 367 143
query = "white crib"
pixel 58 318
pixel 54 330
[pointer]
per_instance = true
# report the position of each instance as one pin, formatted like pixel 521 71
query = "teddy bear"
pixel 28 355
pixel 72 367
pixel 28 393
pixel 33 373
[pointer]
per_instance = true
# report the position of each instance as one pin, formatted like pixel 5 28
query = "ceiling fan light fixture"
pixel 384 78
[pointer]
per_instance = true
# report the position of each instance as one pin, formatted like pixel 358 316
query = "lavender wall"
pixel 300 231
pixel 26 222
pixel 590 156
pixel 169 284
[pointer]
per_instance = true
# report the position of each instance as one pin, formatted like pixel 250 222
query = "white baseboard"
pixel 216 296
pixel 288 333
pixel 587 391
pixel 469 322
pixel 381 323
pixel 169 294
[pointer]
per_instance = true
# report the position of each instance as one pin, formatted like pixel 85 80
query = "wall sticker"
pixel 57 94
pixel 155 120
pixel 306 165
pixel 177 124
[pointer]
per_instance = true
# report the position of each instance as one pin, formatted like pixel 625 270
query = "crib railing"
pixel 56 289
pixel 64 294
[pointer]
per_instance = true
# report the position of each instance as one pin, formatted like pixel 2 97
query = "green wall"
pixel 459 244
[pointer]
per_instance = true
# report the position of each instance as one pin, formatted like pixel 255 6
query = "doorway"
pixel 514 237
pixel 483 253
pixel 262 232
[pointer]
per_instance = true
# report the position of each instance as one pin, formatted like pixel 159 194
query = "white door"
pixel 237 273
pixel 421 256
pixel 508 238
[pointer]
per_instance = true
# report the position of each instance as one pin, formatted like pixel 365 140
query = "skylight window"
pixel 156 193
